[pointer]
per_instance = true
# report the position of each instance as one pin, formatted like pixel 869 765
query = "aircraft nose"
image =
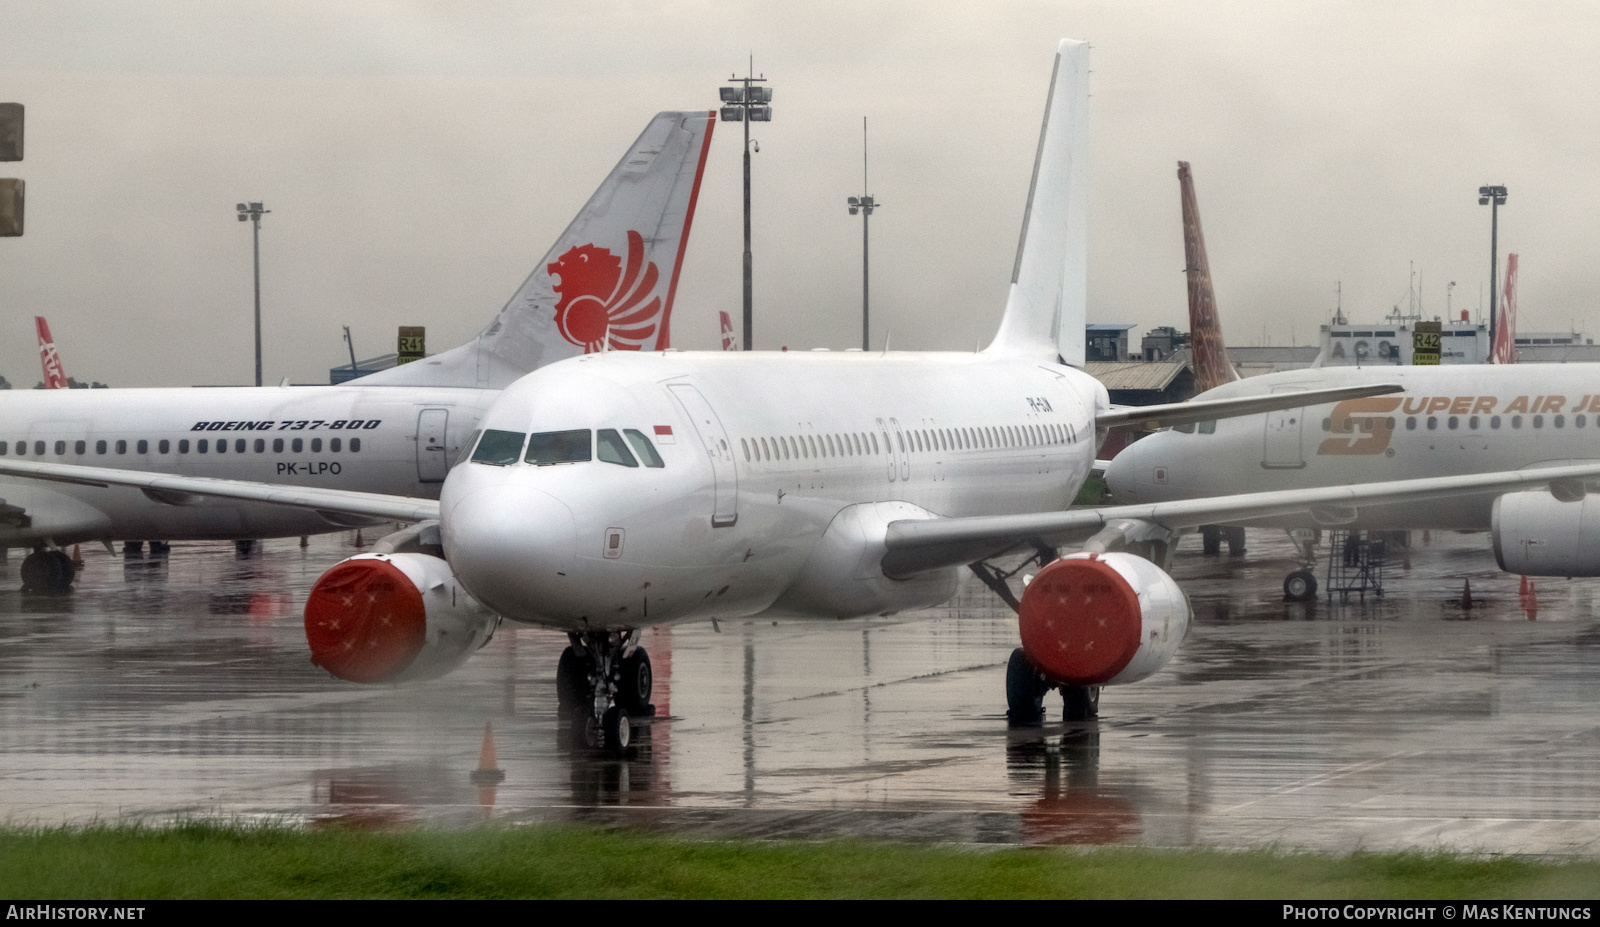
pixel 511 547
pixel 1119 474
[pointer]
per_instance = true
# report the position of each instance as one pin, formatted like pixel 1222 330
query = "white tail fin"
pixel 607 282
pixel 728 342
pixel 1504 349
pixel 1046 310
pixel 54 376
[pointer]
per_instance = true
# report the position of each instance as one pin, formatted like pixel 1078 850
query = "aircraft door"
pixel 904 447
pixel 1281 448
pixel 715 441
pixel 433 459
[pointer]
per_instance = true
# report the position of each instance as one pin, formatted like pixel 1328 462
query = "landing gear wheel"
pixel 1081 703
pixel 572 680
pixel 633 689
pixel 47 572
pixel 244 548
pixel 1025 690
pixel 1211 540
pixel 1300 586
pixel 615 728
pixel 1235 536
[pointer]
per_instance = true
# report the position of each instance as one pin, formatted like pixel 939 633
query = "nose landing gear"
pixel 602 680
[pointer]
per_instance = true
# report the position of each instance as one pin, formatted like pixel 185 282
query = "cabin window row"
pixel 1451 423
pixel 164 446
pixel 914 440
pixel 578 445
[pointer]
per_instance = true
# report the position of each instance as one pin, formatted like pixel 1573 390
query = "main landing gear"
pixel 47 572
pixel 602 680
pixel 1026 689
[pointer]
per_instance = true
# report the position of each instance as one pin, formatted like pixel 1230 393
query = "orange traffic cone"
pixel 1466 596
pixel 359 542
pixel 77 559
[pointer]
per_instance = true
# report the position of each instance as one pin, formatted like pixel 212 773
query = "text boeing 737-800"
pixel 397 431
pixel 615 491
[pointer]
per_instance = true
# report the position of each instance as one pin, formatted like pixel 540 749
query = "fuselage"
pixel 1449 420
pixel 395 440
pixel 769 461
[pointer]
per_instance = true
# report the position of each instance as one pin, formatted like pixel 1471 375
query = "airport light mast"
pixel 747 104
pixel 1494 198
pixel 864 204
pixel 253 212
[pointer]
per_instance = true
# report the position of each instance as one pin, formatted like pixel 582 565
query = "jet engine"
pixel 1101 619
pixel 393 618
pixel 1537 534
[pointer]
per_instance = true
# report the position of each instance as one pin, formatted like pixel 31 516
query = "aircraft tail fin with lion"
pixel 608 281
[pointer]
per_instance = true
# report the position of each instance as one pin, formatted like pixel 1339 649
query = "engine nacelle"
pixel 1101 619
pixel 843 577
pixel 393 618
pixel 1536 534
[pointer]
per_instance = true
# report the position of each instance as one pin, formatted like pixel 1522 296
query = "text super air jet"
pixel 1452 420
pixel 396 431
pixel 614 491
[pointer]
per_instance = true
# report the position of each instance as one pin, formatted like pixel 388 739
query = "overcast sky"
pixel 419 157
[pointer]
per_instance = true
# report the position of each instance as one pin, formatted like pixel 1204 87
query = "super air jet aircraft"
pixel 614 491
pixel 1449 420
pixel 397 431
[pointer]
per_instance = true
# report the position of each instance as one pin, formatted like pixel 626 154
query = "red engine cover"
pixel 1080 621
pixel 365 621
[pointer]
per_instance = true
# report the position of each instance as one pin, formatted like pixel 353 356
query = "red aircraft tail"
pixel 54 376
pixel 1211 365
pixel 1504 350
pixel 728 344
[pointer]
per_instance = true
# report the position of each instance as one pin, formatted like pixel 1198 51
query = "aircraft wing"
pixel 1202 410
pixel 184 490
pixel 918 546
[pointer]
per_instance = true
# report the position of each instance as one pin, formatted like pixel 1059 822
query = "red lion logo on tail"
pixel 600 299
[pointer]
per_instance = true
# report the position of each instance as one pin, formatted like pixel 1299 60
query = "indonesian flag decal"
pixel 54 376
pixel 664 434
pixel 1504 350
pixel 605 305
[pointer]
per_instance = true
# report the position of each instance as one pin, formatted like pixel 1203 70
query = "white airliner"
pixel 607 282
pixel 619 490
pixel 1450 420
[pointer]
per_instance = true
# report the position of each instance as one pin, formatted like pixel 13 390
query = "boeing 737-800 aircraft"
pixel 397 431
pixel 614 491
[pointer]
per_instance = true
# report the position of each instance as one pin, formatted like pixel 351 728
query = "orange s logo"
pixel 1360 426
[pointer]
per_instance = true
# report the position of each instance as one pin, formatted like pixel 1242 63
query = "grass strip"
pixel 202 860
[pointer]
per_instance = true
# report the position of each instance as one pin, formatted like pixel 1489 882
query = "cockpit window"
pixel 647 451
pixel 558 447
pixel 612 450
pixel 499 448
pixel 466 451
